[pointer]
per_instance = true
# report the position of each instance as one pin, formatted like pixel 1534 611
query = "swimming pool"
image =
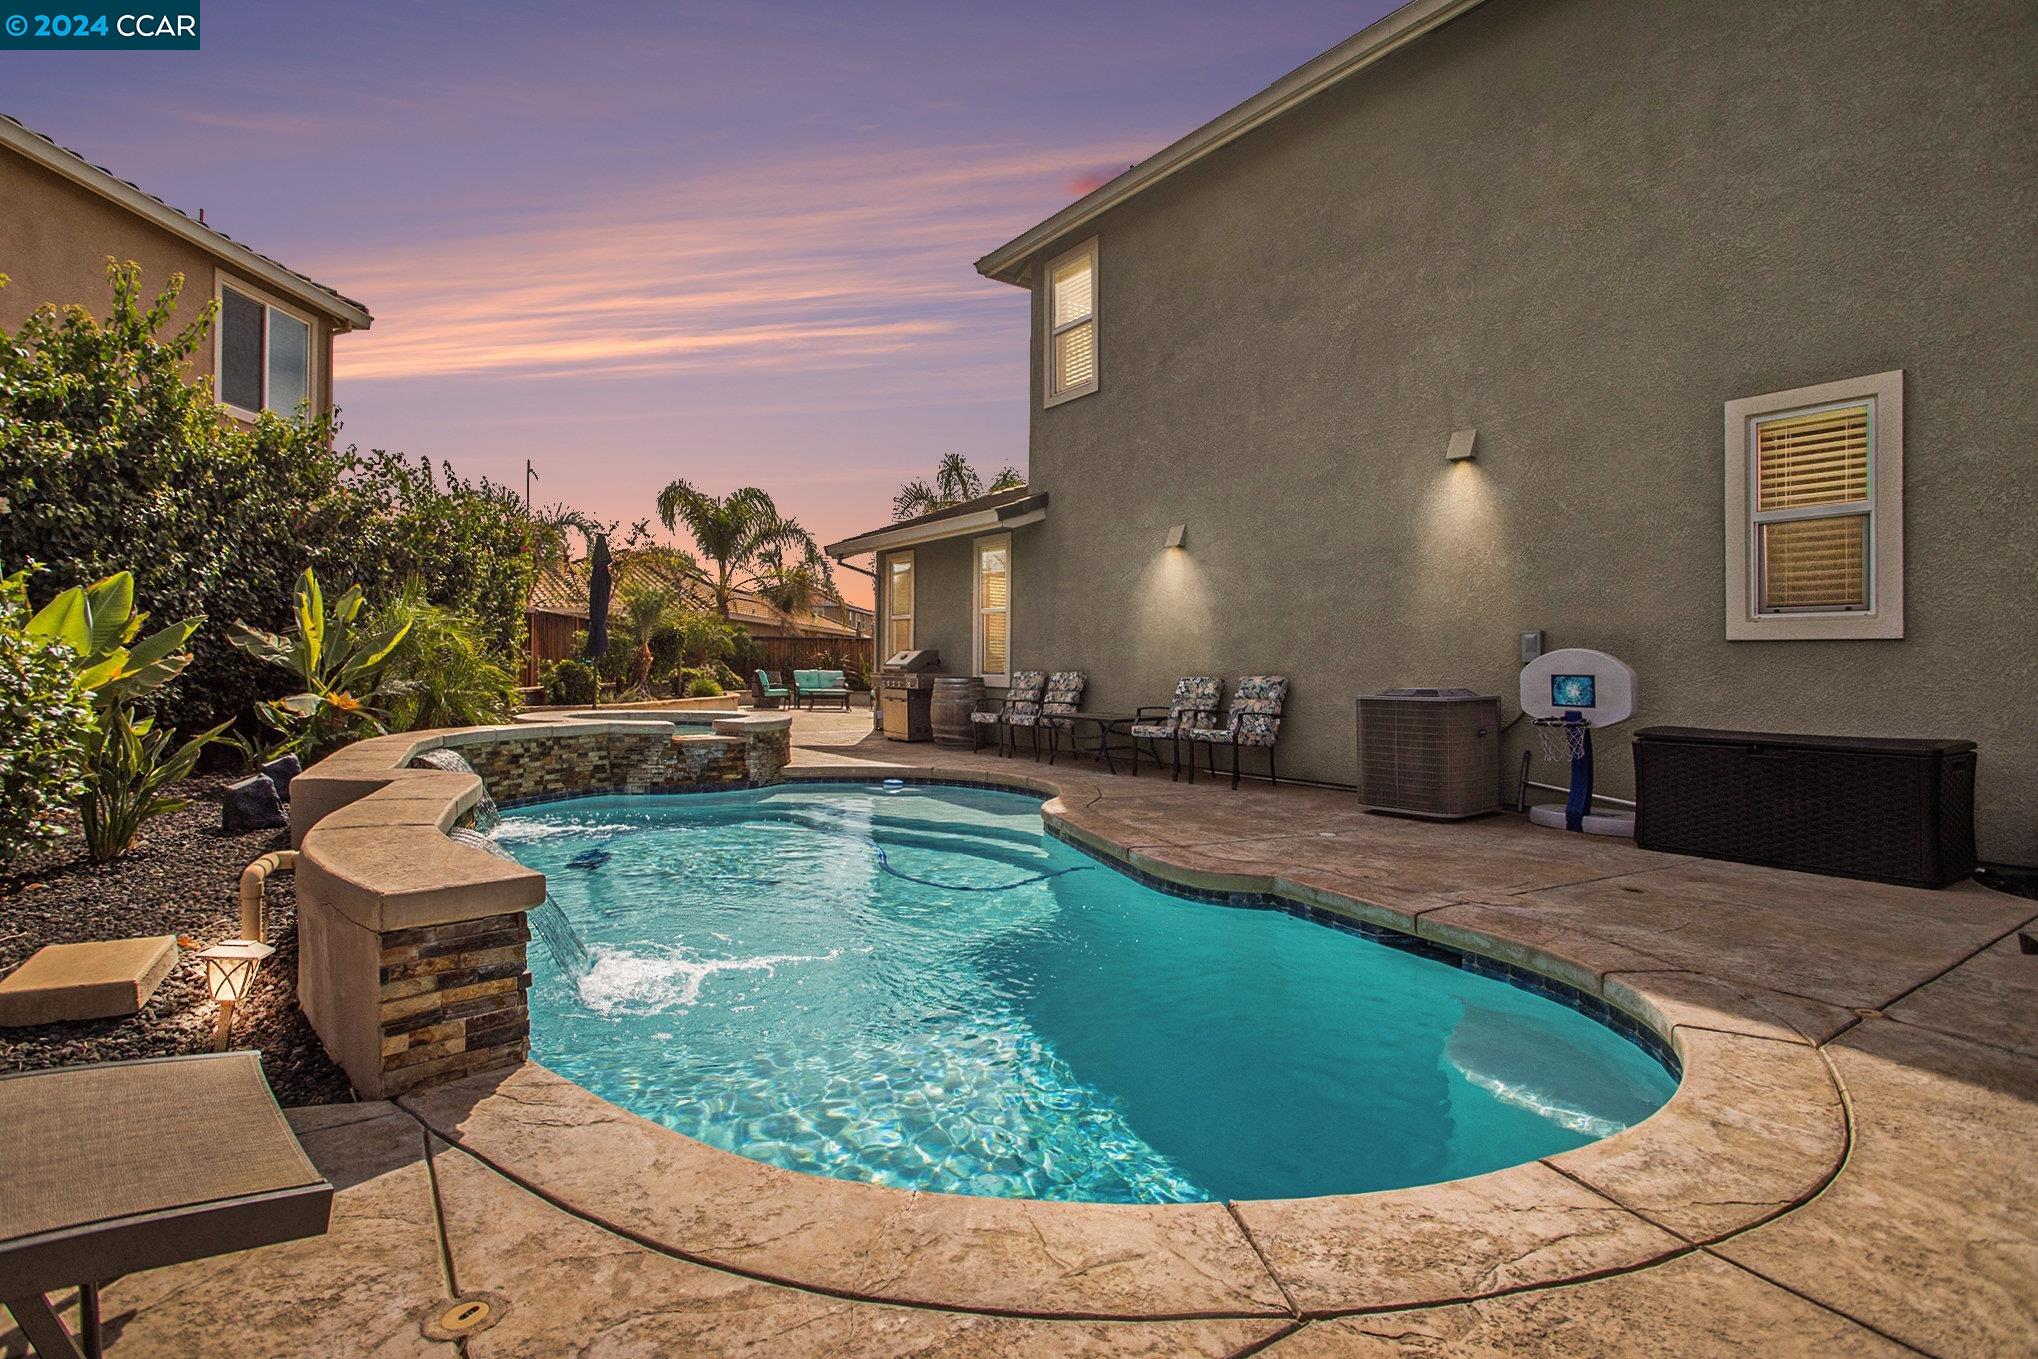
pixel 918 987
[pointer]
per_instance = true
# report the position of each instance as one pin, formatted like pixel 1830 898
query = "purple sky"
pixel 730 242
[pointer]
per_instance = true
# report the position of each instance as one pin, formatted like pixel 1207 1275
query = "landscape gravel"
pixel 182 878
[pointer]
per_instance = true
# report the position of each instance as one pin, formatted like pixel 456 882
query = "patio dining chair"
pixel 1021 708
pixel 1195 702
pixel 1252 722
pixel 1063 700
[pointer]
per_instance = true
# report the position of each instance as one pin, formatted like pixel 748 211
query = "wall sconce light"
pixel 230 970
pixel 1175 535
pixel 1460 449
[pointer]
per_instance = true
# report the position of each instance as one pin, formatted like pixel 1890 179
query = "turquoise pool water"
pixel 921 988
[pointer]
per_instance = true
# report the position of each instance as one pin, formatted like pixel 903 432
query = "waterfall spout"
pixel 548 922
pixel 487 816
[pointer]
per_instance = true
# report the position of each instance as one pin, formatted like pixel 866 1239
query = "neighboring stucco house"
pixel 1731 302
pixel 272 344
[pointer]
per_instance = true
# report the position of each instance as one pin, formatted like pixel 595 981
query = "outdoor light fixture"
pixel 230 970
pixel 1175 535
pixel 1460 449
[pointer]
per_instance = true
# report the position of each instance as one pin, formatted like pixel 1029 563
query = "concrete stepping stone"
pixel 99 980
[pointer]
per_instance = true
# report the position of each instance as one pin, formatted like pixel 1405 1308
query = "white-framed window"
pixel 898 602
pixel 993 600
pixel 262 357
pixel 1070 308
pixel 1815 512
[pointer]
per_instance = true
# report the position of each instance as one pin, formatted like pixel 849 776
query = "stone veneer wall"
pixel 548 766
pixel 452 1000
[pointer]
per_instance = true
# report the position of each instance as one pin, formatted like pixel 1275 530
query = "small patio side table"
pixel 1107 725
pixel 124 1166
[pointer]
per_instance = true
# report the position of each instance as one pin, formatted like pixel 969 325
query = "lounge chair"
pixel 769 693
pixel 1253 722
pixel 1020 708
pixel 1064 698
pixel 119 1167
pixel 815 685
pixel 1195 702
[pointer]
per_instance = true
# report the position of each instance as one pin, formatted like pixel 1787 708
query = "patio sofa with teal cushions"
pixel 814 685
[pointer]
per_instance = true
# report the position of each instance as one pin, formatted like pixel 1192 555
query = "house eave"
pixel 344 312
pixel 1007 264
pixel 1018 513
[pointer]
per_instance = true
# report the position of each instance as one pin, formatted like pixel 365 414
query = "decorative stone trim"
pixel 453 1000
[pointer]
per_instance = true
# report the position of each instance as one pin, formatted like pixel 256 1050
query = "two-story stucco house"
pixel 271 347
pixel 1730 302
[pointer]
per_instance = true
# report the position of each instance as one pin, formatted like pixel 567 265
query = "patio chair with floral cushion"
pixel 1253 722
pixel 1195 702
pixel 1064 698
pixel 1020 708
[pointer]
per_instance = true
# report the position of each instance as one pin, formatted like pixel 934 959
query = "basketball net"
pixel 1563 738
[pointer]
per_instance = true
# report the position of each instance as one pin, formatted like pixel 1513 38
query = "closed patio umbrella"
pixel 599 587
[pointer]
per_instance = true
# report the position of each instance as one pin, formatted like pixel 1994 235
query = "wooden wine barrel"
pixel 955 698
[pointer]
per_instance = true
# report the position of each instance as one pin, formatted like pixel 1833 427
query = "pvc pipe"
pixel 254 915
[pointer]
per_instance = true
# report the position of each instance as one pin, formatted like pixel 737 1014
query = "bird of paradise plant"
pixel 334 657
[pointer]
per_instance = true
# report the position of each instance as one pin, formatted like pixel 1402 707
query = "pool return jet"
pixel 1567 693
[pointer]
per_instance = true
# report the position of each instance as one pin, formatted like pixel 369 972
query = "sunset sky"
pixel 730 242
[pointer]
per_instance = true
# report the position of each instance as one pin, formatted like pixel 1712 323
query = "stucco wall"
pixel 1579 226
pixel 55 237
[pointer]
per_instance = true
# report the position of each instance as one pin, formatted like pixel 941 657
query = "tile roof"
pixel 562 588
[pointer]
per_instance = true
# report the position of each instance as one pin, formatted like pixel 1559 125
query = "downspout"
pixel 254 915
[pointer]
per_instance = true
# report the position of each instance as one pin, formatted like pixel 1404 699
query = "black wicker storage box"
pixel 1858 807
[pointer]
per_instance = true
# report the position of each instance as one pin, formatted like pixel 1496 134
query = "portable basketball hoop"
pixel 1566 694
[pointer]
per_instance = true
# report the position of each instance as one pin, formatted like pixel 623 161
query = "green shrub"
pixel 45 727
pixel 108 453
pixel 728 679
pixel 128 762
pixel 570 682
pixel 442 674
pixel 703 685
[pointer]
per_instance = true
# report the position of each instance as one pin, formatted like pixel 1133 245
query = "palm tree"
pixel 954 482
pixel 794 588
pixel 548 529
pixel 647 607
pixel 733 532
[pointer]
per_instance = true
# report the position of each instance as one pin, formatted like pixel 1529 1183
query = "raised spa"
pixel 918 986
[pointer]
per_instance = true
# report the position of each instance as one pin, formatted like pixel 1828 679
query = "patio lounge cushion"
pixel 987 719
pixel 124 1166
pixel 1255 716
pixel 1153 731
pixel 768 683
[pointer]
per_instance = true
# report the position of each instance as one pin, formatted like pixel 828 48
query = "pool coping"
pixel 1756 1127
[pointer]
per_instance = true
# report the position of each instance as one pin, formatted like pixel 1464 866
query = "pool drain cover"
pixel 468 1314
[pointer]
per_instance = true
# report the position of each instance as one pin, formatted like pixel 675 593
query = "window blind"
pixel 1075 357
pixel 1074 291
pixel 1072 324
pixel 993 596
pixel 1815 563
pixel 1815 459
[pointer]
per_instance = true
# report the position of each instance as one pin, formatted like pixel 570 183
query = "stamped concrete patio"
pixel 1847 1168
